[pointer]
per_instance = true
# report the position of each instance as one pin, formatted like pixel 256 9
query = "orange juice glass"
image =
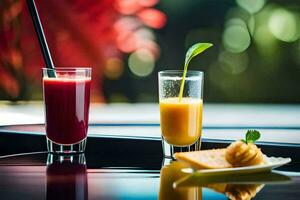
pixel 180 119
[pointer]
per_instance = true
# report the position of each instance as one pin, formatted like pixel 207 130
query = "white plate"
pixel 270 163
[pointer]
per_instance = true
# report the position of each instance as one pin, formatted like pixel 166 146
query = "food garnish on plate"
pixel 244 152
pixel 238 154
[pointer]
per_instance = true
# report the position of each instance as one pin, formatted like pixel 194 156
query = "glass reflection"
pixel 66 177
pixel 177 183
pixel 239 186
pixel 171 172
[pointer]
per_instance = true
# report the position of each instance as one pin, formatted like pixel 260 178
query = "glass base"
pixel 66 158
pixel 66 149
pixel 169 150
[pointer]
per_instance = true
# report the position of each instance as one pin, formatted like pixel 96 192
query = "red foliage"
pixel 79 33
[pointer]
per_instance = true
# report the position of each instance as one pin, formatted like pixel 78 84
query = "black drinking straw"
pixel 41 36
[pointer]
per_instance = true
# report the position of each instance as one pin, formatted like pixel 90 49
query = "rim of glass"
pixel 176 72
pixel 68 69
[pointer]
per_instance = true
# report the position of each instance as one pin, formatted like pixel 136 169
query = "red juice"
pixel 67 103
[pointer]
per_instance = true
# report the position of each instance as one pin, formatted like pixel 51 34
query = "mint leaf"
pixel 252 136
pixel 191 53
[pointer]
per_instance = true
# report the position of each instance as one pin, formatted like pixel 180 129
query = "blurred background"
pixel 255 58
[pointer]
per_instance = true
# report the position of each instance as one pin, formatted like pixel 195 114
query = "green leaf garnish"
pixel 191 53
pixel 251 136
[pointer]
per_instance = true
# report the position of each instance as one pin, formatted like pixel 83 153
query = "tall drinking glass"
pixel 67 101
pixel 180 119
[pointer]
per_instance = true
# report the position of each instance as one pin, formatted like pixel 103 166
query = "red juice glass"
pixel 67 101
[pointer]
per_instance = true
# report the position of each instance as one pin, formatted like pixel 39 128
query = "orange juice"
pixel 181 121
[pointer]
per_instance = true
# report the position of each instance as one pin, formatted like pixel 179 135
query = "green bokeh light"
pixel 284 25
pixel 251 25
pixel 263 36
pixel 141 63
pixel 233 63
pixel 236 37
pixel 252 6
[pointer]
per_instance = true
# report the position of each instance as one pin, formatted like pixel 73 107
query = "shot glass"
pixel 67 101
pixel 180 119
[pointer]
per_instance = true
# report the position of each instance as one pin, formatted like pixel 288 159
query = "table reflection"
pixel 66 177
pixel 171 172
pixel 177 184
pixel 237 191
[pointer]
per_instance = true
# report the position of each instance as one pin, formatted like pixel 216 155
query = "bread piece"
pixel 206 159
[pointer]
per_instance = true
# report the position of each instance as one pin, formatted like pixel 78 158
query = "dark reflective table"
pixel 129 169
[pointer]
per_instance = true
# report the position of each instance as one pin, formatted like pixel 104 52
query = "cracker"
pixel 205 159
